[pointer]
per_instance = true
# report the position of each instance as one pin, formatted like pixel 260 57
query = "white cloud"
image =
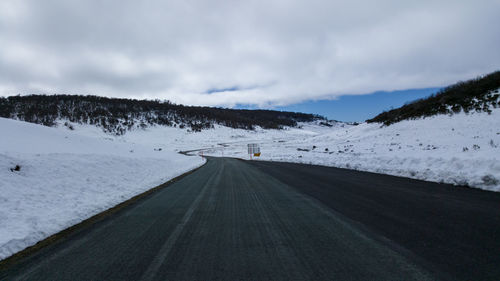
pixel 274 52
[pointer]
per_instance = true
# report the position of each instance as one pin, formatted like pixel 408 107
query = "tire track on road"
pixel 155 265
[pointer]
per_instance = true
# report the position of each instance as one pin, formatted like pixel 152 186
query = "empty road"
pixel 239 220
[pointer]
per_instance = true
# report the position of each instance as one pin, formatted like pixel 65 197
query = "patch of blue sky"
pixel 357 108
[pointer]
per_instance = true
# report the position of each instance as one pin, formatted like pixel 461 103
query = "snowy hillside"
pixel 117 116
pixel 65 177
pixel 462 149
pixel 475 95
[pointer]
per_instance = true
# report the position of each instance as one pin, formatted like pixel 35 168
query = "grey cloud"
pixel 293 50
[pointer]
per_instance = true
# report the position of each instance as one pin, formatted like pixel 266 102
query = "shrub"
pixel 473 95
pixel 17 168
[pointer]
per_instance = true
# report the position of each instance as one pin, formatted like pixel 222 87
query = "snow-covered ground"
pixel 66 177
pixel 463 149
pixel 69 175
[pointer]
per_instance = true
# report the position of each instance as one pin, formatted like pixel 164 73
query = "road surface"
pixel 239 220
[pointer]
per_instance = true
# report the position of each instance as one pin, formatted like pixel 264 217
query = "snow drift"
pixel 461 149
pixel 65 178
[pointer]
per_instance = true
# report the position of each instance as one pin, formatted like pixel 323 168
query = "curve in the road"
pixel 233 220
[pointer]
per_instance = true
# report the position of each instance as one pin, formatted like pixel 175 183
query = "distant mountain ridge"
pixel 117 115
pixel 478 94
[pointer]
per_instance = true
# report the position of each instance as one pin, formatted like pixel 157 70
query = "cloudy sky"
pixel 261 53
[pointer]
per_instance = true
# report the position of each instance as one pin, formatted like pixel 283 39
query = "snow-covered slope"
pixel 66 177
pixel 462 149
pixel 69 175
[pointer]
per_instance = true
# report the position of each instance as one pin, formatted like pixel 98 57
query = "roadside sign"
pixel 253 149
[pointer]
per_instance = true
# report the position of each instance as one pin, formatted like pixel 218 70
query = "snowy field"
pixel 463 149
pixel 69 175
pixel 66 177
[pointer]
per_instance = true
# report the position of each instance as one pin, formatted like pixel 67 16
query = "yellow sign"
pixel 256 154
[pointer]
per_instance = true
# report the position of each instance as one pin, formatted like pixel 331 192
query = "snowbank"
pixel 462 149
pixel 65 178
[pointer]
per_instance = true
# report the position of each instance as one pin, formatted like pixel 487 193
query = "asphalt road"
pixel 237 220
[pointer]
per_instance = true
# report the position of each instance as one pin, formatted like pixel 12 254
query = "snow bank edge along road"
pixel 461 149
pixel 66 178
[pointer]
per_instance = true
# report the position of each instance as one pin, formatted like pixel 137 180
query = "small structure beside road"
pixel 253 150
